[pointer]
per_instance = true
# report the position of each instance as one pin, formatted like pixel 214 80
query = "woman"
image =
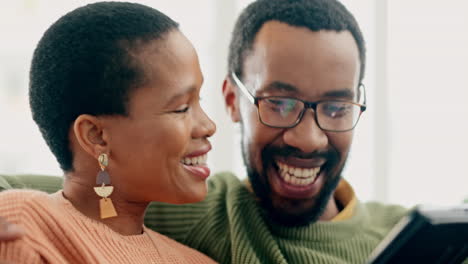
pixel 114 89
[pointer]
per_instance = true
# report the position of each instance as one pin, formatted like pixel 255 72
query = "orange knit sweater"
pixel 58 233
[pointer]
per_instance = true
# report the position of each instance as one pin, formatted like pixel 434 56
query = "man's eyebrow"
pixel 344 93
pixel 177 96
pixel 280 86
pixel 285 87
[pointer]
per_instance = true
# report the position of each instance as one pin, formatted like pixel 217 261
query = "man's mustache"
pixel 288 151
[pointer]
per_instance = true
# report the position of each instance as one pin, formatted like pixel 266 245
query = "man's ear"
pixel 88 131
pixel 231 99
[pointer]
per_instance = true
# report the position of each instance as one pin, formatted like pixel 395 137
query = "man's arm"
pixel 48 184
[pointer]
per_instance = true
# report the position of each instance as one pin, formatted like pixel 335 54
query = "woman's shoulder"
pixel 16 204
pixel 19 196
pixel 16 197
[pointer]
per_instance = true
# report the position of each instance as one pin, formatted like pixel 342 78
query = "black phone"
pixel 429 235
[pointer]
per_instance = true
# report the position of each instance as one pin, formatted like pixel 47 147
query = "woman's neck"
pixel 78 188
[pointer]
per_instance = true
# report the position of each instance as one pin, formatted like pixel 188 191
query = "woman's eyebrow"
pixel 177 96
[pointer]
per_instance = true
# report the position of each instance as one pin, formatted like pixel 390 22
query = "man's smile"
pixel 296 178
pixel 296 175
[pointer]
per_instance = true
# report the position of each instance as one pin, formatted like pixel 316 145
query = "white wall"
pixel 428 94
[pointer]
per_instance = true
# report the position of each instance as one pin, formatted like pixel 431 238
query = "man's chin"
pixel 293 187
pixel 291 212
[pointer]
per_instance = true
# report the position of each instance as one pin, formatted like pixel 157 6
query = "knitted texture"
pixel 230 227
pixel 57 233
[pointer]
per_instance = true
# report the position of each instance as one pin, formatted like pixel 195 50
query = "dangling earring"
pixel 106 206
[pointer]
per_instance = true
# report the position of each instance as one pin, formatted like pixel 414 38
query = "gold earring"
pixel 106 206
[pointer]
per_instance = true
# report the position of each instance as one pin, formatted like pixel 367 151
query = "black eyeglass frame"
pixel 313 105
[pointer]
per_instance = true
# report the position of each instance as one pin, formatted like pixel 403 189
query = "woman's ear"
pixel 231 99
pixel 88 131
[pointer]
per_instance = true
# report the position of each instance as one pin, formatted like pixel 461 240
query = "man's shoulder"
pixel 383 217
pixel 175 220
pixel 220 186
pixel 223 181
pixel 385 210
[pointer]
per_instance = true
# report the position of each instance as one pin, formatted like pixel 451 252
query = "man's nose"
pixel 307 135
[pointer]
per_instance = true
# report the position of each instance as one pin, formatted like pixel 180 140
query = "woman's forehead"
pixel 170 67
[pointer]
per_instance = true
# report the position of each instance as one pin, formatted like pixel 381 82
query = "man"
pixel 294 84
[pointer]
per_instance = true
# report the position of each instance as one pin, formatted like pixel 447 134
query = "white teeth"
pixel 298 176
pixel 297 172
pixel 295 181
pixel 199 160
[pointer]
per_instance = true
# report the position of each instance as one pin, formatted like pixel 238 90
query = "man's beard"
pixel 262 189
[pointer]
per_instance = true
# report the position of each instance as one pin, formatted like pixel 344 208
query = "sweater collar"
pixel 346 197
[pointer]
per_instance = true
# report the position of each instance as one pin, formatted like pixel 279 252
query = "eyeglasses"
pixel 287 112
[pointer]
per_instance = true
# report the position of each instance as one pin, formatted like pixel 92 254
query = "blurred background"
pixel 410 146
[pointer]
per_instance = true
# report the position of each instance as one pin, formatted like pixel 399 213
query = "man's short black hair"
pixel 83 65
pixel 315 15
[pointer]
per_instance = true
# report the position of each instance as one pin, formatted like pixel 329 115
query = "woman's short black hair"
pixel 83 65
pixel 315 15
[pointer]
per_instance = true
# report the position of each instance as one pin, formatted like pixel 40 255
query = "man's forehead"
pixel 297 56
pixel 274 36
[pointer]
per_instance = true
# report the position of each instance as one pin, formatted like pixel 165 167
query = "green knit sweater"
pixel 229 226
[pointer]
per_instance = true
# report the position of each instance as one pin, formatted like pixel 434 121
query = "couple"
pixel 114 90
